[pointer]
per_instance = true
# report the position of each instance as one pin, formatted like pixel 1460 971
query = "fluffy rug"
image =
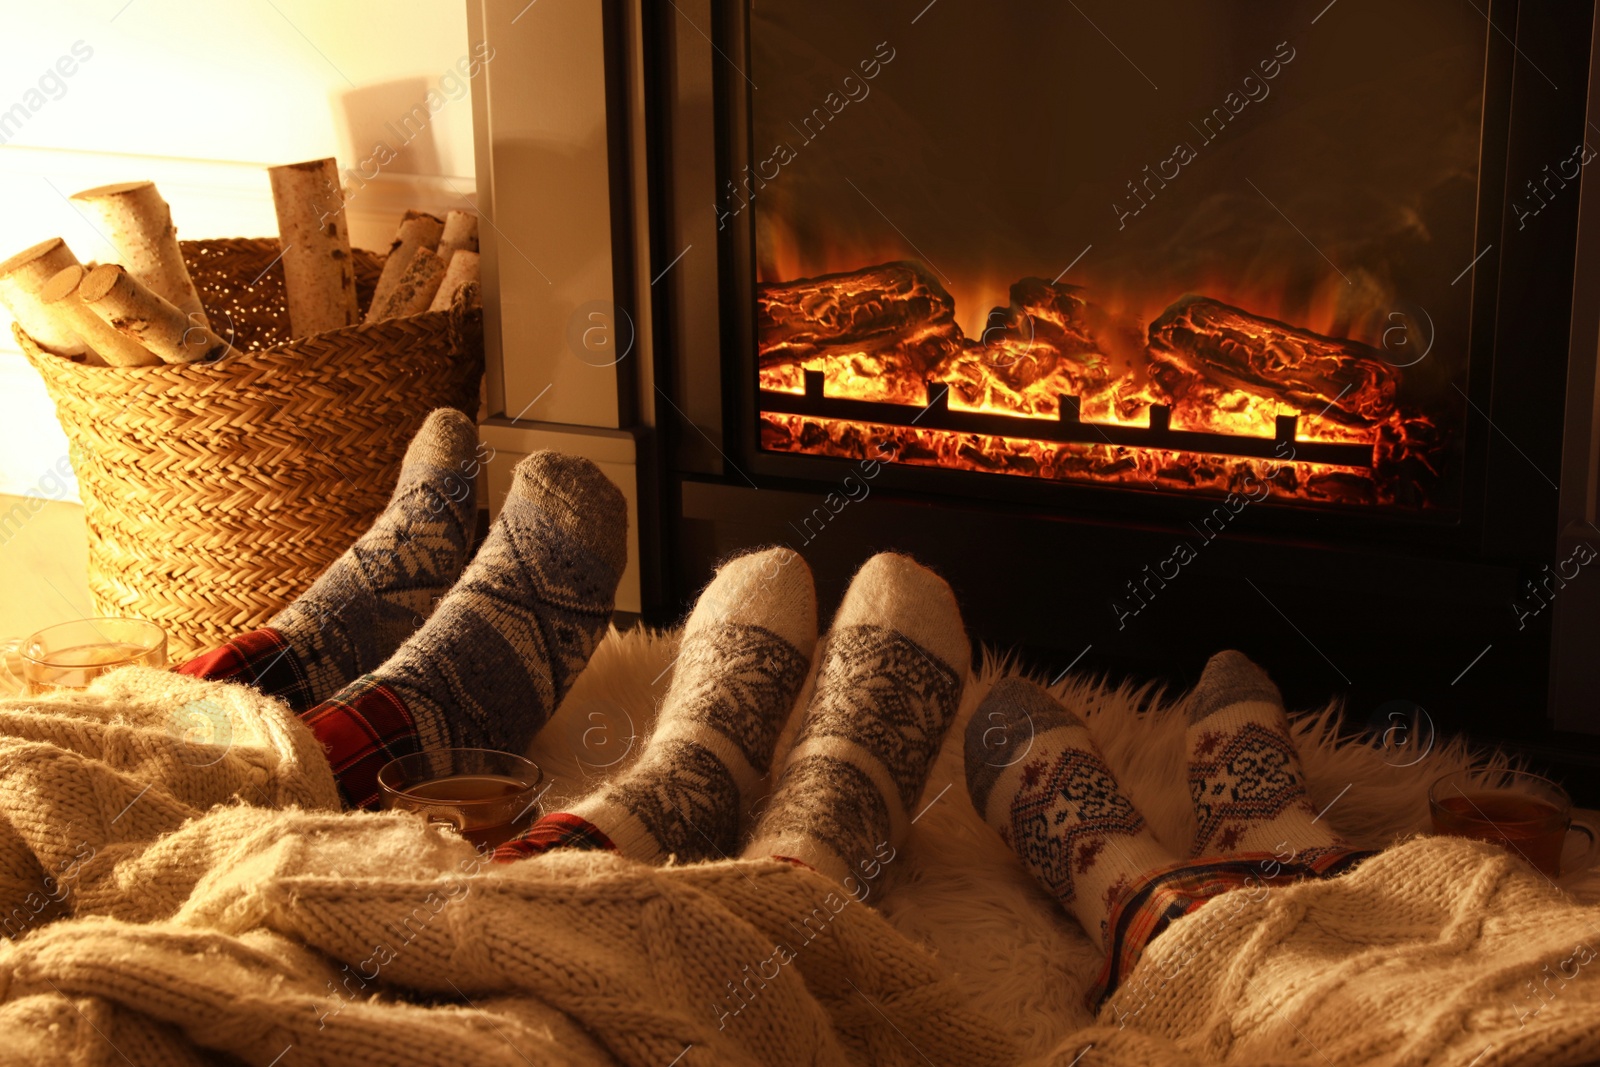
pixel 955 887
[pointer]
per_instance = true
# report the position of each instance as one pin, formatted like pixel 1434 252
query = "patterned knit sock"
pixel 1035 775
pixel 502 648
pixel 1244 774
pixel 375 595
pixel 744 655
pixel 890 681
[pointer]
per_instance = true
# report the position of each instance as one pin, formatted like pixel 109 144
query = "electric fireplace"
pixel 1155 327
pixel 1247 278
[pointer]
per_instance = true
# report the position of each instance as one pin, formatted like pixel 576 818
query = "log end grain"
pixel 31 254
pixel 100 192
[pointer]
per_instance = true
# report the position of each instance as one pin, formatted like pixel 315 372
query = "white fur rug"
pixel 955 887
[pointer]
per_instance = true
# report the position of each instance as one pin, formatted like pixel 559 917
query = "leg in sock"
pixel 1035 776
pixel 745 653
pixel 500 651
pixel 891 678
pixel 1245 778
pixel 1257 828
pixel 375 595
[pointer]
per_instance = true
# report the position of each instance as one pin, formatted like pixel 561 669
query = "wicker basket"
pixel 215 494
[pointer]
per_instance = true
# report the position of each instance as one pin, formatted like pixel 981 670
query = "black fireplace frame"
pixel 1413 595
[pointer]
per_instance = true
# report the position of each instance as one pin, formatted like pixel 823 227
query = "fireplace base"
pixel 1393 632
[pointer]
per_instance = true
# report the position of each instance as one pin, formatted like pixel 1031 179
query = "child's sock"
pixel 745 653
pixel 374 596
pixel 503 647
pixel 1245 777
pixel 891 677
pixel 1035 775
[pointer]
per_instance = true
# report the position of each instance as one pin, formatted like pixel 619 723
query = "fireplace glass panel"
pixel 1174 247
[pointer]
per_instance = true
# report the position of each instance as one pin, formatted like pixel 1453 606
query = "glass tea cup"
pixel 70 655
pixel 487 797
pixel 1526 814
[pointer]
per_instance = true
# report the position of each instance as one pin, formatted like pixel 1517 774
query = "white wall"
pixel 200 96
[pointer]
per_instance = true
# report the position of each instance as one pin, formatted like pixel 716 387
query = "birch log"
pixel 462 271
pixel 418 230
pixel 139 224
pixel 318 273
pixel 62 297
pixel 145 316
pixel 22 278
pixel 415 290
pixel 460 231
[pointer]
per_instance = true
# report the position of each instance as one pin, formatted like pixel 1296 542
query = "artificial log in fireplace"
pixel 872 364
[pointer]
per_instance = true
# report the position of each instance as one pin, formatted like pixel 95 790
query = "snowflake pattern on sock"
pixel 732 687
pixel 1062 815
pixel 374 596
pixel 729 668
pixel 690 811
pixel 833 801
pixel 493 663
pixel 888 696
pixel 1247 776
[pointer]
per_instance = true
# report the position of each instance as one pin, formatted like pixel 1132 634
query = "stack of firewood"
pixel 144 310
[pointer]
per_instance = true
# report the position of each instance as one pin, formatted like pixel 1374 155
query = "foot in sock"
pixel 384 586
pixel 1245 779
pixel 1035 775
pixel 892 671
pixel 744 655
pixel 502 648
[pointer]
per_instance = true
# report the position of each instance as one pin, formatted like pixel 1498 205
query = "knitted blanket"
pixel 182 889
pixel 178 901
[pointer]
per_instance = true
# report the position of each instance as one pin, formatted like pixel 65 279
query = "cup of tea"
pixel 1528 815
pixel 487 797
pixel 70 655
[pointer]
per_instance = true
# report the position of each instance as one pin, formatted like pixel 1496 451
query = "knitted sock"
pixel 1245 778
pixel 745 653
pixel 890 681
pixel 503 647
pixel 1035 775
pixel 375 595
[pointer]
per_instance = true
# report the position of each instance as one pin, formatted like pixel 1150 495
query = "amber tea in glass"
pixel 487 797
pixel 73 654
pixel 1525 814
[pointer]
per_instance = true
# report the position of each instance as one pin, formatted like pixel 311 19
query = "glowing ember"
pixel 884 333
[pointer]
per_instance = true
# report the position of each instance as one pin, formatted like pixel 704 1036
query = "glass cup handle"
pixel 12 683
pixel 458 823
pixel 1586 825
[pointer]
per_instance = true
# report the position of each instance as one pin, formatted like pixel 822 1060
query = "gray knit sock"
pixel 384 586
pixel 503 647
pixel 744 655
pixel 891 677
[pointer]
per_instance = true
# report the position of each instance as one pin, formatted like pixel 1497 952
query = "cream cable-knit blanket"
pixel 174 903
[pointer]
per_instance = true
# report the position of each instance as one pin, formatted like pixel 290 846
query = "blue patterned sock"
pixel 501 650
pixel 385 585
pixel 1035 775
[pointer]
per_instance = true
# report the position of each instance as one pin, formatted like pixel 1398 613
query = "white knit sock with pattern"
pixel 892 672
pixel 1245 779
pixel 745 653
pixel 1035 775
